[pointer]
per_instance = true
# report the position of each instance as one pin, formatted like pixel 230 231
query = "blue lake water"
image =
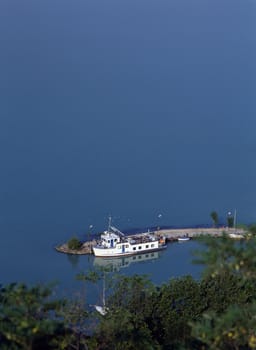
pixel 130 109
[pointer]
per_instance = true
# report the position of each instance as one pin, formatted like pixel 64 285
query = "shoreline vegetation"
pixel 170 234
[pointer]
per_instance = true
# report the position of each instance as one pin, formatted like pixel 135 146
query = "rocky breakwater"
pixel 174 234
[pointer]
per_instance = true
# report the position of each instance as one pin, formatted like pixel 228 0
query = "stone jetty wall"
pixel 174 234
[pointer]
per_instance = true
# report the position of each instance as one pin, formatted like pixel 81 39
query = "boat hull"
pixel 185 239
pixel 114 252
pixel 235 236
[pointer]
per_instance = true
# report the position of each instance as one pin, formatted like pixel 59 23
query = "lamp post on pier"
pixel 231 219
pixel 159 217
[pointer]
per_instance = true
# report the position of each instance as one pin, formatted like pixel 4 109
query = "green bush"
pixel 252 229
pixel 74 243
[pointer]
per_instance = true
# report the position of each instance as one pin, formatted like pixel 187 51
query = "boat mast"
pixel 103 292
pixel 109 223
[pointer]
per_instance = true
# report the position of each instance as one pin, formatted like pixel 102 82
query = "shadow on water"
pixel 74 260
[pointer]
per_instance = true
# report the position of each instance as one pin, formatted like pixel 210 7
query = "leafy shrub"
pixel 74 243
pixel 252 229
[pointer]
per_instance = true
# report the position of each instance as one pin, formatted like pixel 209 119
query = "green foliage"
pixel 122 329
pixel 225 255
pixel 74 243
pixel 234 329
pixel 217 256
pixel 229 295
pixel 215 218
pixel 27 315
pixel 181 313
pixel 252 229
pixel 219 292
pixel 125 325
pixel 74 334
pixel 31 319
pixel 242 226
pixel 130 292
pixel 175 304
pixel 91 276
pixel 143 316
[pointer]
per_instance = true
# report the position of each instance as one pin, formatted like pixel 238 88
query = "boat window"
pixel 127 246
pixel 140 247
pixel 146 245
pixel 134 248
pixel 152 245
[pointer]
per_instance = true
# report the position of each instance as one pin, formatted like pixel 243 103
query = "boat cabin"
pixel 109 239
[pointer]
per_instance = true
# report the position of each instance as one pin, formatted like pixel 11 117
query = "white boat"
pixel 235 235
pixel 102 309
pixel 183 238
pixel 113 243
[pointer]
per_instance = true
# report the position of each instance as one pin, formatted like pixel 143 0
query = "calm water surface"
pixel 132 108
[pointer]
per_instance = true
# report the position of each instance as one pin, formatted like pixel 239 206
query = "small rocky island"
pixel 75 246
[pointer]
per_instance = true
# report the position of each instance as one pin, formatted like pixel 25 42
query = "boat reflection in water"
pixel 115 264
